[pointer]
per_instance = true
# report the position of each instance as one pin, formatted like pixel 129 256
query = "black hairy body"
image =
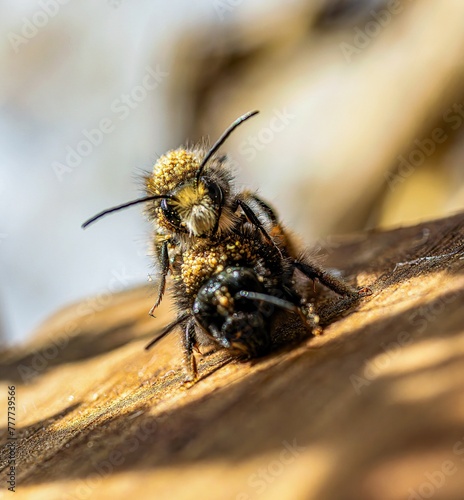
pixel 232 291
pixel 233 264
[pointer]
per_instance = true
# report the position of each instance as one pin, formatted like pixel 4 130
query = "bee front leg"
pixel 164 264
pixel 189 342
pixel 253 219
pixel 265 207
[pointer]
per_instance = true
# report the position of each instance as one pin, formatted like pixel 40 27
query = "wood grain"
pixel 372 409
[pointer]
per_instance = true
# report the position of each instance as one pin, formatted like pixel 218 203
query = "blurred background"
pixel 362 107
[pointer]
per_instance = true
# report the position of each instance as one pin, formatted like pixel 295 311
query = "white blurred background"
pixel 351 94
pixel 61 81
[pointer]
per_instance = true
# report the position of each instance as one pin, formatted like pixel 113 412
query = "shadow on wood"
pixel 372 409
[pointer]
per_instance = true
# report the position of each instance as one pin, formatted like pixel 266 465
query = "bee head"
pixel 230 319
pixel 186 198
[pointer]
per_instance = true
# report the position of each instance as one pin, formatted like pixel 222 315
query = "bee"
pixel 190 195
pixel 232 262
pixel 230 294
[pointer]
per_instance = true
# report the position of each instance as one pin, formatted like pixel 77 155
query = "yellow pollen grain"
pixel 172 169
pixel 202 261
pixel 224 301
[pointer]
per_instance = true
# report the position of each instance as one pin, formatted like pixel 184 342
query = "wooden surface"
pixel 378 104
pixel 372 409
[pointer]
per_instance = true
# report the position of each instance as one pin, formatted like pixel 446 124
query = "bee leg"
pixel 253 218
pixel 167 329
pixel 267 209
pixel 189 342
pixel 164 262
pixel 329 280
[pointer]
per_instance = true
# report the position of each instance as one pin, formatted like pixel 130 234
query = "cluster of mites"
pixel 232 263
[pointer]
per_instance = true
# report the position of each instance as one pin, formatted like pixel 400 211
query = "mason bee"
pixel 191 196
pixel 233 264
pixel 230 294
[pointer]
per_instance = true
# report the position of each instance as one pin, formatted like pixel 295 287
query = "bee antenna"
pixel 270 299
pixel 222 139
pixel 167 329
pixel 121 207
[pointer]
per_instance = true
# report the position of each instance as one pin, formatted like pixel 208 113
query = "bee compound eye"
pixel 170 213
pixel 214 191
